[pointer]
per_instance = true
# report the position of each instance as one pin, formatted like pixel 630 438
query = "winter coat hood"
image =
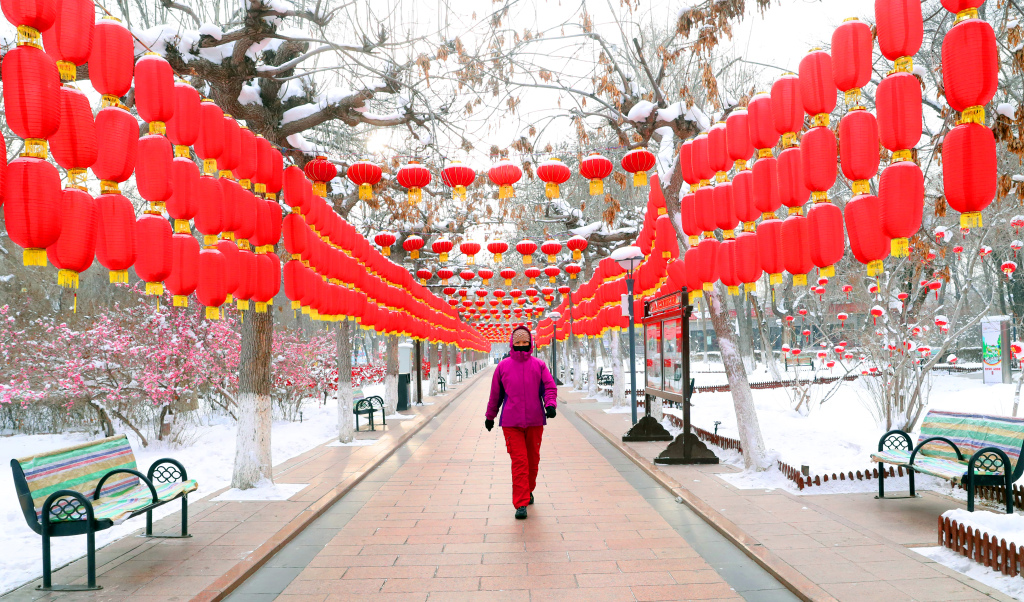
pixel 520 356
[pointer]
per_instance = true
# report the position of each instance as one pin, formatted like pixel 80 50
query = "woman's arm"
pixel 550 388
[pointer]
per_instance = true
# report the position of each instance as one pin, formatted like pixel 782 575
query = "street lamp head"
pixel 628 258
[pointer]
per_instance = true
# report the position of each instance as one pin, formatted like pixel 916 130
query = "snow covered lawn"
pixel 209 460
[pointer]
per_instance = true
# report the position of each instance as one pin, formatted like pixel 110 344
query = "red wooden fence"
pixel 977 545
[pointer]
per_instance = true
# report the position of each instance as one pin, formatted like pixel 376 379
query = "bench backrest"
pixel 80 468
pixel 972 432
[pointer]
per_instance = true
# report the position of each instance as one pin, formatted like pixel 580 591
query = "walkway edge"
pixel 236 575
pixel 793 580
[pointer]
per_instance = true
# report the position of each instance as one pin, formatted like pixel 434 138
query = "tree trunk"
pixel 743 328
pixel 435 367
pixel 704 329
pixel 578 363
pixel 252 441
pixel 767 351
pixel 346 426
pixel 619 386
pixel 391 375
pixel 754 454
pixel 452 356
pixel 592 343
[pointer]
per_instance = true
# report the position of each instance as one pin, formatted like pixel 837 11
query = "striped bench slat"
pixel 972 432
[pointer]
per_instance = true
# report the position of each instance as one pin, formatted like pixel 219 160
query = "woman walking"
pixel 526 393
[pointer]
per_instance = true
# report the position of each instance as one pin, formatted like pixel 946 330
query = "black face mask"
pixel 521 347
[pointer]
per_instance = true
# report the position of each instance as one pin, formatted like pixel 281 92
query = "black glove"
pixel 550 411
pixel 489 424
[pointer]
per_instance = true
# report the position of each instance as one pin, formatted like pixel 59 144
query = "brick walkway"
pixel 442 527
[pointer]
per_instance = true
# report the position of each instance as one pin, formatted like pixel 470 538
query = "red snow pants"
pixel 523 445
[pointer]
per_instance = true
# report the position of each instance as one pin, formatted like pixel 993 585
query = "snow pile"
pixel 1007 109
pixel 641 111
pixel 212 30
pixel 587 230
pixel 1003 526
pixel 299 112
pixel 250 95
pixel 1011 586
pixel 265 491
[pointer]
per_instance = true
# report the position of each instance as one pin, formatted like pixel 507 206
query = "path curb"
pixel 800 585
pixel 236 575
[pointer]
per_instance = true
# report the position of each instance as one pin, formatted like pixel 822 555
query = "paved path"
pixel 436 522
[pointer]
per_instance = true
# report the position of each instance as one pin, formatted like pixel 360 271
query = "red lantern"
pixel 247 278
pixel 183 203
pixel 485 274
pixel 737 134
pixel 365 175
pixel 748 260
pixel 112 59
pixel 384 240
pixel 228 249
pixel 704 210
pixel 230 214
pixel 638 162
pixel 115 240
pixel 184 268
pixel 526 248
pixel 596 167
pixel 818 162
pixel 31 94
pixel 508 274
pixel 718 151
pixel 74 145
pixel 769 249
pixel 154 169
pixel 969 171
pixel 38 15
pixel 276 177
pixel 858 149
pixel 497 247
pixel 154 91
pixel 867 241
pixel 700 161
pixel 155 253
pixel 551 248
pixel 900 29
pixel 33 207
pixel 761 125
pixel 694 285
pixel 901 194
pixel 444 274
pixel 413 177
pixel 298 192
pixel 458 176
pixel 211 288
pixel 246 168
pixel 442 246
pixel 898 101
pixel 69 40
pixel 73 252
pixel 825 232
pixel 423 274
pixel 183 127
pixel 796 249
pixel 787 108
pixel 210 143
pixel 577 244
pixel 685 164
pixel 817 89
pixel 209 217
pixel 229 157
pixel 504 174
pixel 727 268
pixel 320 171
pixel 294 282
pixel 532 273
pixel 793 193
pixel 970 68
pixel 851 58
pixel 573 269
pixel 120 134
pixel 412 244
pixel 766 186
pixel 724 208
pixel 707 264
pixel 743 199
pixel 552 272
pixel 295 235
pixel 553 173
pixel 470 248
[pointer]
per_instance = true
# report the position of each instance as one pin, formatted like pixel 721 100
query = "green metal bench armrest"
pixel 56 495
pixel 959 455
pixel 142 477
pixel 989 450
pixel 883 442
pixel 178 465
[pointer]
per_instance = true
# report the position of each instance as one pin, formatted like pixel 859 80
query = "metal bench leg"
pixel 1009 494
pixel 970 496
pixel 911 472
pixel 90 551
pixel 881 481
pixel 184 523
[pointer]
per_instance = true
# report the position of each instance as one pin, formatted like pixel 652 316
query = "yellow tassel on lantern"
pixel 261 308
pixel 29 36
pixel 799 279
pixel 900 247
pixel 67 278
pixel 35 147
pixel 209 167
pixel 775 278
pixel 154 288
pixel 827 271
pixel 596 187
pixel 209 240
pixel 819 196
pixel 748 226
pixel 764 153
pixel 109 187
pixel 749 287
pixel 243 304
pixel 902 155
pixel 212 313
pixel 386 251
pixel 415 196
pixel 708 286
pixel 967 13
pixel 157 128
pixel 296 304
pixel 905 64
pixel 77 178
pixel 975 114
pixel 180 301
pixel 795 211
pixel 119 276
pixel 852 96
pixel 875 267
pixel 694 240
pixel 365 192
pixel 305 309
pixel 68 71
pixel 551 190
pixel 971 219
pixel 861 187
pixel 34 257
pixel 767 215
pixel 181 150
pixel 639 179
pixel 734 291
pixel 820 120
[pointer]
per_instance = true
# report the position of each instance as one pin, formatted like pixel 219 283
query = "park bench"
pixel 604 379
pixel 366 406
pixel 441 383
pixel 458 375
pixel 970 450
pixel 90 487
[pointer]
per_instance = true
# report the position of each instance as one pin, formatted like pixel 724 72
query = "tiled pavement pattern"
pixel 852 547
pixel 436 522
pixel 226 535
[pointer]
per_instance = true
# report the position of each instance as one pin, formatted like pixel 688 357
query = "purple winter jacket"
pixel 522 386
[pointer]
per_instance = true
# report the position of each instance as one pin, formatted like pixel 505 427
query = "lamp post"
pixel 629 258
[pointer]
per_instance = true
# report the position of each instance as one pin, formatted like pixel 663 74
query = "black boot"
pixel 521 512
pixel 531 499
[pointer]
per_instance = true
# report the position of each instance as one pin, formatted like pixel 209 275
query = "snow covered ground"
pixel 1011 586
pixel 209 460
